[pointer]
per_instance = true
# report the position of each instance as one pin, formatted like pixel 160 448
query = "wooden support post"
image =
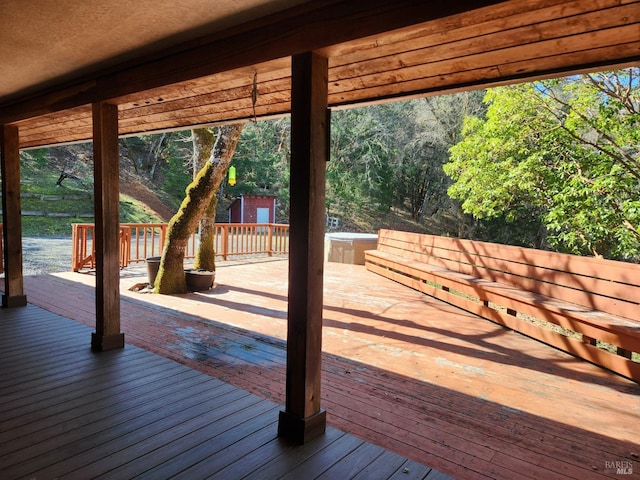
pixel 12 222
pixel 303 418
pixel 107 227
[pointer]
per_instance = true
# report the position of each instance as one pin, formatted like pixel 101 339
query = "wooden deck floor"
pixel 69 413
pixel 401 370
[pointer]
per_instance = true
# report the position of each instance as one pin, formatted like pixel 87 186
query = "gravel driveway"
pixel 46 255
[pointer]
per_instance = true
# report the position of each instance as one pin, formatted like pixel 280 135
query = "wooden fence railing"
pixel 588 307
pixel 139 241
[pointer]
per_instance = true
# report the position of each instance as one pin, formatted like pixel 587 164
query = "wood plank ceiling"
pixel 495 44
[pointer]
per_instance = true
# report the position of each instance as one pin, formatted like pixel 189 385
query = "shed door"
pixel 262 215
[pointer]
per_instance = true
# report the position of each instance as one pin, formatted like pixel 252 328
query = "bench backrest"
pixel 605 285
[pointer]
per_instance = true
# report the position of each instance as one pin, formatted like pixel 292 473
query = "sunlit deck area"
pixel 401 370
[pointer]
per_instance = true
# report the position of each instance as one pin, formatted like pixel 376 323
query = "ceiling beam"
pixel 308 27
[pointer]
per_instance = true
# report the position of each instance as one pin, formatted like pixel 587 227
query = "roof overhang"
pixel 377 50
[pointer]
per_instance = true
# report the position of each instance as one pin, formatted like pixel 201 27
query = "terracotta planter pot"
pixel 198 280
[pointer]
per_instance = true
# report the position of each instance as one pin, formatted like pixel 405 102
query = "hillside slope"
pixel 133 186
pixel 142 199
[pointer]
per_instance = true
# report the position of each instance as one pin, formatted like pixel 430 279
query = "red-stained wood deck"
pixel 400 369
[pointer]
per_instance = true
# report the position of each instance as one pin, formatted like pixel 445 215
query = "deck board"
pixel 404 371
pixel 66 412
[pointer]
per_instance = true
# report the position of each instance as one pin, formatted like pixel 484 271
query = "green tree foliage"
pixel 165 160
pixel 358 173
pixel 382 156
pixel 558 162
pixel 262 162
pixel 392 154
pixel 430 128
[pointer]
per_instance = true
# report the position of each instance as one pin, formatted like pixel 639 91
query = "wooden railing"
pixel 588 307
pixel 139 241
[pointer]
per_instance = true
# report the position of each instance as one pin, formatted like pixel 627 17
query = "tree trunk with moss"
pixel 206 252
pixel 198 199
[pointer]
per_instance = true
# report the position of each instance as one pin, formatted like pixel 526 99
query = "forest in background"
pixel 553 164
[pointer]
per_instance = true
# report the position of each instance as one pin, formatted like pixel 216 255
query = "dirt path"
pixel 46 255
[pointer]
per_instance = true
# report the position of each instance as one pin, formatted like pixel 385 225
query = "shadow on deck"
pixel 401 370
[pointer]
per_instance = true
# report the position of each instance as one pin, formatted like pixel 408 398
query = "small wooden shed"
pixel 253 209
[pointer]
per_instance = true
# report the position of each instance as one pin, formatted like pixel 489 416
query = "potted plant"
pixel 198 280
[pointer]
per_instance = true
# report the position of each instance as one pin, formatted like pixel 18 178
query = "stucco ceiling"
pixel 43 42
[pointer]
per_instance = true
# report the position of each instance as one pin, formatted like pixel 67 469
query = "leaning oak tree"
pixel 203 141
pixel 200 194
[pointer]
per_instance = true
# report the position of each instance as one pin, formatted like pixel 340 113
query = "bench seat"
pixel 417 262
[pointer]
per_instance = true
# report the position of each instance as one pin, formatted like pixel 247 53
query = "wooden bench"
pixel 585 306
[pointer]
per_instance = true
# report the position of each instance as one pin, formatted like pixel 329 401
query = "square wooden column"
pixel 12 221
pixel 303 418
pixel 106 178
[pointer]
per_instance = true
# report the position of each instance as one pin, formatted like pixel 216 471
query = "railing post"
pixel 74 247
pixel 90 251
pixel 151 232
pixel 225 241
pixel 163 236
pixel 82 235
pixel 125 245
pixel 1 251
pixel 80 254
pixel 270 240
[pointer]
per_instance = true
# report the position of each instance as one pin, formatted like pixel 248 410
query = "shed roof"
pixel 173 65
pixel 236 201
